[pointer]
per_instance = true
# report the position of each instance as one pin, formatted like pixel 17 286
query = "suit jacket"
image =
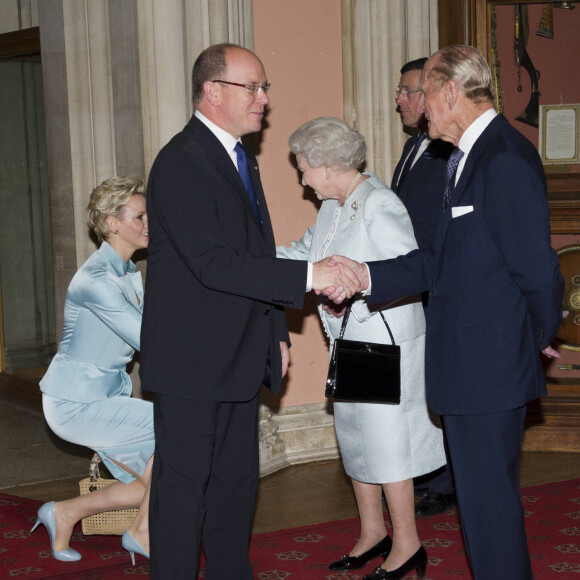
pixel 215 291
pixel 372 225
pixel 102 323
pixel 495 285
pixel 421 191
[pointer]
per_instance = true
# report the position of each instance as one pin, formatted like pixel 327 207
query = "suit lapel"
pixel 219 159
pixel 461 186
pixel 418 170
pixel 422 166
pixel 473 158
pixel 409 144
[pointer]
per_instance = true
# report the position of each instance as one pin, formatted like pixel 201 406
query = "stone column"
pixel 116 81
pixel 18 14
pixel 58 147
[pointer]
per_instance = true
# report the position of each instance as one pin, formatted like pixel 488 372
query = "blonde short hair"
pixel 110 199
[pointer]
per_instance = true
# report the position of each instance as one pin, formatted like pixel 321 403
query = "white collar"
pixel 471 135
pixel 227 140
pixel 474 131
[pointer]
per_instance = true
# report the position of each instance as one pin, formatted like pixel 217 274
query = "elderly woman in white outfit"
pixel 383 446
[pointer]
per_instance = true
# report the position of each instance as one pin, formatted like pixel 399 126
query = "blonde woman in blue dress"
pixel 383 447
pixel 86 391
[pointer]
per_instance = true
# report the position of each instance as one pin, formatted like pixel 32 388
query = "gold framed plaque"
pixel 559 140
pixel 569 333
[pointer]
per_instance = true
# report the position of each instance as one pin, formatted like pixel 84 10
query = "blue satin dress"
pixel 86 390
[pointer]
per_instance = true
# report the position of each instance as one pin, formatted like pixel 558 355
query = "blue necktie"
pixel 410 159
pixel 244 172
pixel 452 164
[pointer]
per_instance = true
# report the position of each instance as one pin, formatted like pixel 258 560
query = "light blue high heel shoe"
pixel 47 519
pixel 133 547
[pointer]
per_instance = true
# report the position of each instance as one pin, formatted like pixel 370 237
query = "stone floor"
pixel 30 452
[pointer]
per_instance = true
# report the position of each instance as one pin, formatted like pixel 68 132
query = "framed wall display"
pixel 490 26
pixel 559 140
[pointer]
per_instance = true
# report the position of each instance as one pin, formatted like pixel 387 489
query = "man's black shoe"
pixel 434 503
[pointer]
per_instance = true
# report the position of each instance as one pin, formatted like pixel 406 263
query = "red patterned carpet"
pixel 552 523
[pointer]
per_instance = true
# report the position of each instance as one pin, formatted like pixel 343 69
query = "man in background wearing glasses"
pixel 419 181
pixel 419 176
pixel 214 328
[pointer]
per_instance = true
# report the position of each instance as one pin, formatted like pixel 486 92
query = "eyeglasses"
pixel 252 88
pixel 406 92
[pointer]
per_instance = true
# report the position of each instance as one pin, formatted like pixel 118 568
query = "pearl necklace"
pixel 352 186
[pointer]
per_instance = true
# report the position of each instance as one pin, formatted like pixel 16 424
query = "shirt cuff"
pixel 368 290
pixel 309 277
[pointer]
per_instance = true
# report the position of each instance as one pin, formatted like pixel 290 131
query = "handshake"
pixel 339 278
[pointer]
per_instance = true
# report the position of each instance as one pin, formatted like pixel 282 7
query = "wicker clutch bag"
pixel 112 523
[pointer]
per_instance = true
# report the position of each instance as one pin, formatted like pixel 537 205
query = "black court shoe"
pixel 418 561
pixel 382 549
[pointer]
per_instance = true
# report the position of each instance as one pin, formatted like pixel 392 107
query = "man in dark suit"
pixel 418 180
pixel 495 295
pixel 419 174
pixel 214 328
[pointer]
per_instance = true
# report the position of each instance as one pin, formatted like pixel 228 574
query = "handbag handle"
pixel 94 473
pixel 345 320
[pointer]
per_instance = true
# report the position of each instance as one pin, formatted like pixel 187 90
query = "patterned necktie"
pixel 452 164
pixel 244 172
pixel 410 159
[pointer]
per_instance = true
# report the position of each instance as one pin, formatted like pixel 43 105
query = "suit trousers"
pixel 485 452
pixel 204 483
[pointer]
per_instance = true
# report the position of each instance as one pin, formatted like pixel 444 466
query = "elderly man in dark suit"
pixel 214 328
pixel 418 180
pixel 495 294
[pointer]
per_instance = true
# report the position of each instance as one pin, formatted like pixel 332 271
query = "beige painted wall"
pixel 299 43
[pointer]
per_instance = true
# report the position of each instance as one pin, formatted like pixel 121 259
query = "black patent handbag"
pixel 364 372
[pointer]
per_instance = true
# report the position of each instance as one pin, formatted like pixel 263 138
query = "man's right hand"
pixel 360 271
pixel 343 280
